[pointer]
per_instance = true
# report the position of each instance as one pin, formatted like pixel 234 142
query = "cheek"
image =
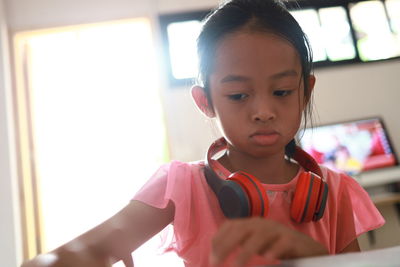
pixel 225 118
pixel 223 109
pixel 292 117
pixel 297 124
pixel 297 106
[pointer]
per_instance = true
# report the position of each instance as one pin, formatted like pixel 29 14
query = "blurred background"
pixel 95 95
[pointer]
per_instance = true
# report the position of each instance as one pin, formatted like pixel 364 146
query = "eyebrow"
pixel 234 78
pixel 276 76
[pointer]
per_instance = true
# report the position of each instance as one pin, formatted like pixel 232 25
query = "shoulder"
pixel 344 188
pixel 176 167
pixel 350 206
pixel 177 172
pixel 338 180
pixel 346 191
pixel 180 168
pixel 167 182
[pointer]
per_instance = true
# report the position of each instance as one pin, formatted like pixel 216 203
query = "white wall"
pixel 341 93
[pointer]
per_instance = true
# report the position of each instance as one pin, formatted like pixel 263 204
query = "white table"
pixel 388 257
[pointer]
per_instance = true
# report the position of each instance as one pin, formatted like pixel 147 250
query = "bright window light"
pixel 337 35
pixel 393 9
pixel 182 38
pixel 309 22
pixel 98 124
pixel 374 38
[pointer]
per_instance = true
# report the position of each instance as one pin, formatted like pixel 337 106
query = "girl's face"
pixel 257 92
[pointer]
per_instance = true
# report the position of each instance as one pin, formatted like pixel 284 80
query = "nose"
pixel 263 110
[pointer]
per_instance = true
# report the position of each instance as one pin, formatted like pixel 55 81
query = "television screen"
pixel 351 147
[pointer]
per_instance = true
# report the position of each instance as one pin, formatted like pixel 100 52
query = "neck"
pixel 274 169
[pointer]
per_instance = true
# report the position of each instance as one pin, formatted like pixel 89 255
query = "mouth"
pixel 264 138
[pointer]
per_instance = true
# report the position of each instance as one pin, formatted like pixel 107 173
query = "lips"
pixel 265 138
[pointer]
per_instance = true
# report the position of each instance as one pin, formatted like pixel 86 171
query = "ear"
pixel 311 84
pixel 201 100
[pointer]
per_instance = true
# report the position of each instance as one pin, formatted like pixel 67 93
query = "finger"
pixel 280 249
pixel 128 261
pixel 261 239
pixel 254 245
pixel 225 241
pixel 225 228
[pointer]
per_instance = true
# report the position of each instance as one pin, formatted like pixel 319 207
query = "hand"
pixel 78 253
pixel 66 257
pixel 259 236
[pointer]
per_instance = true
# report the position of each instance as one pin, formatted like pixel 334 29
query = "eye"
pixel 282 93
pixel 237 97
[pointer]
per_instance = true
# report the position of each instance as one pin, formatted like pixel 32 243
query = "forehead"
pixel 253 53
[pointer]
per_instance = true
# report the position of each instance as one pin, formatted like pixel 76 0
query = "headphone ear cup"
pixel 321 202
pixel 231 196
pixel 306 197
pixel 255 192
pixel 233 200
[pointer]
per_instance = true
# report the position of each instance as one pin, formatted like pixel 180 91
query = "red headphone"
pixel 241 195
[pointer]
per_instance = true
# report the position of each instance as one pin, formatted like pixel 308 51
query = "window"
pixel 393 7
pixel 336 32
pixel 182 46
pixel 179 33
pixel 339 31
pixel 91 127
pixel 328 31
pixel 375 39
pixel 309 22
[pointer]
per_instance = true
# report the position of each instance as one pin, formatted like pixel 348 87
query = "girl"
pixel 255 67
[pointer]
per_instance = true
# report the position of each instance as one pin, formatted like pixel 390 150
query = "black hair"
pixel 259 16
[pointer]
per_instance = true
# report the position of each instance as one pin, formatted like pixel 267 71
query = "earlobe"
pixel 201 100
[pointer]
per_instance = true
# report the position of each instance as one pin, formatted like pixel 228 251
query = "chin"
pixel 266 151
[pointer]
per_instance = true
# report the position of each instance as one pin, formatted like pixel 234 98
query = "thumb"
pixel 128 261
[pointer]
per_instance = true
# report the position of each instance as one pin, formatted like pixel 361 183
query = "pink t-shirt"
pixel 349 211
